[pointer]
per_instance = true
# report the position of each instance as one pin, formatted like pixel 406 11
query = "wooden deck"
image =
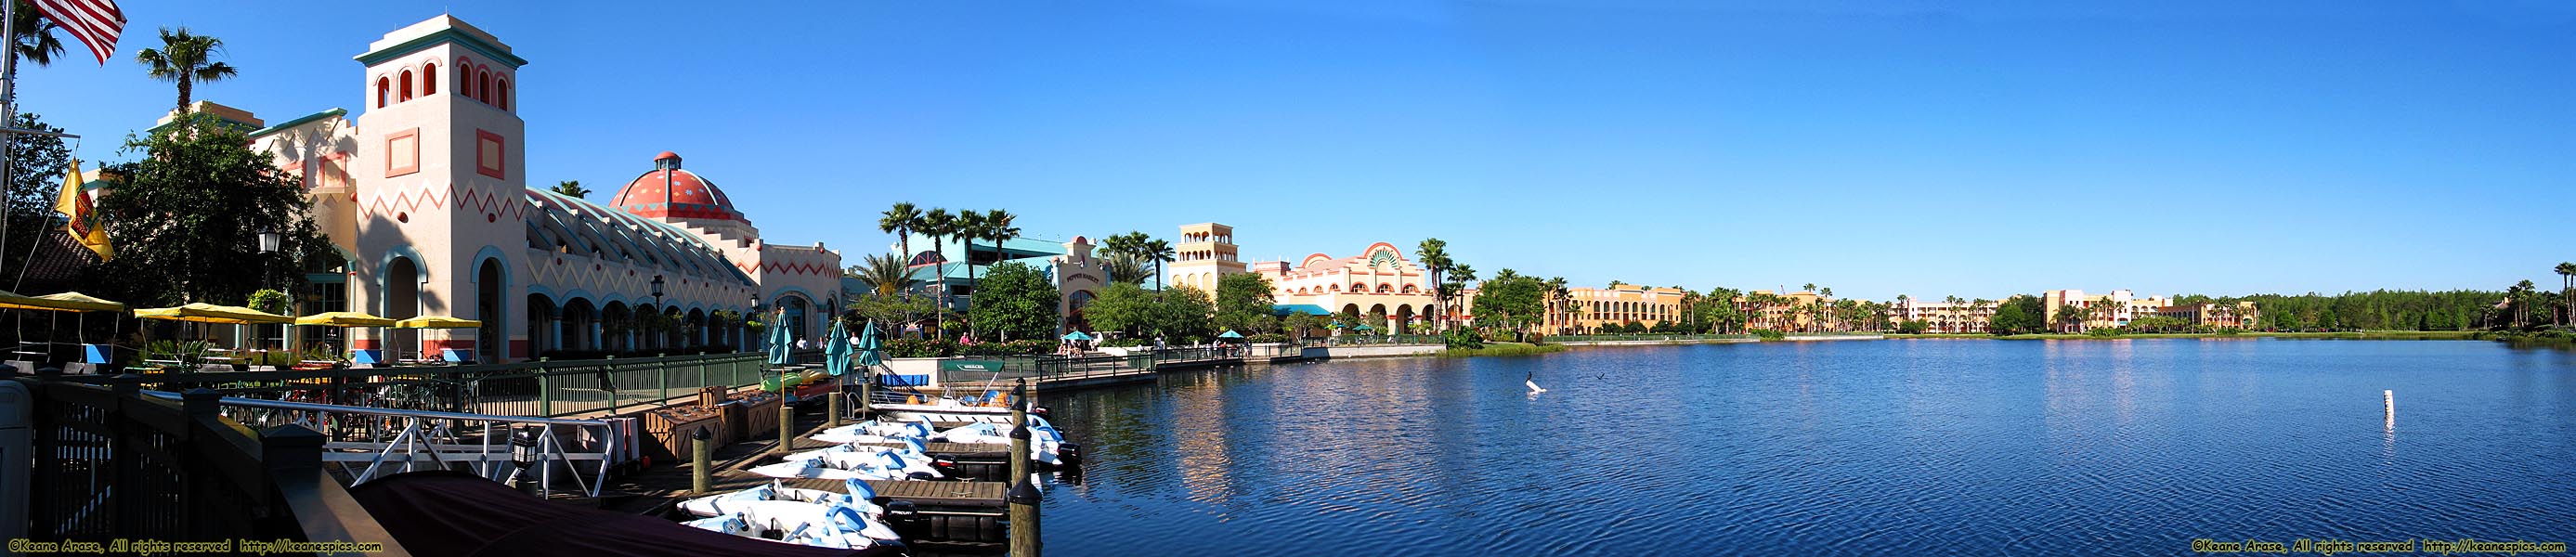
pixel 963 514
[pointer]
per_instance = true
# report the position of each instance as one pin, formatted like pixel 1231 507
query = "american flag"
pixel 95 22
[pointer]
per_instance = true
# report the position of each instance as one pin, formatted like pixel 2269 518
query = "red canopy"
pixel 443 512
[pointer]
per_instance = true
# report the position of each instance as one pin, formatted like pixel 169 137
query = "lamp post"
pixel 268 241
pixel 755 314
pixel 658 310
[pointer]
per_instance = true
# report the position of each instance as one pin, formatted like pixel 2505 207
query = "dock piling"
pixel 833 409
pixel 702 452
pixel 786 417
pixel 2388 399
pixel 1020 454
pixel 1024 500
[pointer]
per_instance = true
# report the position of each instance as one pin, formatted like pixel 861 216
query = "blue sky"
pixel 1878 148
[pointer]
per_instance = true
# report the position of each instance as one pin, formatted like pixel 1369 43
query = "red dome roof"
pixel 690 196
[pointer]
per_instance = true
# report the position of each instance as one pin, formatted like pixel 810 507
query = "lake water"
pixel 1908 447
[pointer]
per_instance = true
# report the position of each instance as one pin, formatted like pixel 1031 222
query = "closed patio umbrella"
pixel 836 350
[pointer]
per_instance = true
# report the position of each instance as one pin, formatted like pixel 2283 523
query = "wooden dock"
pixel 962 516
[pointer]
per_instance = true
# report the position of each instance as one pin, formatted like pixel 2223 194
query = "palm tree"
pixel 2566 292
pixel 1157 252
pixel 185 58
pixel 938 224
pixel 1557 294
pixel 970 225
pixel 884 274
pixel 1808 287
pixel 1460 275
pixel 899 221
pixel 997 227
pixel 36 41
pixel 1435 258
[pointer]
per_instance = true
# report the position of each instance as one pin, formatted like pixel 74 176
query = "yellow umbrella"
pixel 9 300
pixel 437 322
pixel 344 319
pixel 202 312
pixel 75 301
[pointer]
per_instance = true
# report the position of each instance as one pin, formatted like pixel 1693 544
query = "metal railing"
pixel 388 441
pixel 535 388
pixel 1363 339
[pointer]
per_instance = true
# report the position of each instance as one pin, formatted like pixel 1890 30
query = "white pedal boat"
pixel 847 462
pixel 830 525
pixel 856 495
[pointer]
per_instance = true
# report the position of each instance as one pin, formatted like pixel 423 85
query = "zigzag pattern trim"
pixel 575 272
pixel 412 199
pixel 791 268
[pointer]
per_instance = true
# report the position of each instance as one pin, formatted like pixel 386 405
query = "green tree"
pixel 899 221
pixel 185 58
pixel 1511 300
pixel 889 312
pixel 2566 293
pixel 1157 252
pixel 1298 322
pixel 1243 303
pixel 571 188
pixel 883 274
pixel 995 225
pixel 195 202
pixel 2018 314
pixel 1184 312
pixel 38 165
pixel 2071 318
pixel 1015 301
pixel 1434 255
pixel 938 225
pixel 1122 307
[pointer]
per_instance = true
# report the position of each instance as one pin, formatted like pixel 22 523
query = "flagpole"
pixel 8 127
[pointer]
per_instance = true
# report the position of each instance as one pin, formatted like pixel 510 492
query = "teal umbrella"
pixel 871 350
pixel 1365 327
pixel 1076 335
pixel 836 350
pixel 781 341
pixel 1229 333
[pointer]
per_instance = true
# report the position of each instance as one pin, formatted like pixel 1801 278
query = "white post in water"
pixel 2388 398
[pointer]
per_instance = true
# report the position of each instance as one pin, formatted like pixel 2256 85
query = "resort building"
pixel 414 190
pixel 1616 305
pixel 1379 285
pixel 2241 315
pixel 1077 276
pixel 1968 316
pixel 2123 308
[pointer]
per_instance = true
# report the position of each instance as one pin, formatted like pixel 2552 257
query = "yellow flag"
pixel 85 224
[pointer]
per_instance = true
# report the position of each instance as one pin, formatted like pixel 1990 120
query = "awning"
pixel 75 301
pixel 1283 310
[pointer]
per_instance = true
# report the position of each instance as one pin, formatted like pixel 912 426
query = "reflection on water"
pixel 1942 447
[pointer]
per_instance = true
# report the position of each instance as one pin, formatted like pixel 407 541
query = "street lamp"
pixel 657 290
pixel 268 240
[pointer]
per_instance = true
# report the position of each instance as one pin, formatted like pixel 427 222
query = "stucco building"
pixel 1378 281
pixel 425 196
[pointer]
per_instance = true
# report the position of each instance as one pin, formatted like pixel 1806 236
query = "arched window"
pixel 483 85
pixel 382 87
pixel 429 79
pixel 406 85
pixel 465 77
pixel 501 96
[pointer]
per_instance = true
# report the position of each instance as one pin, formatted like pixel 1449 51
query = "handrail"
pixel 310 407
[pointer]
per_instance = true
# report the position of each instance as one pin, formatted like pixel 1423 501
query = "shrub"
pixel 920 348
pixel 1913 327
pixel 2103 332
pixel 2230 331
pixel 1463 339
pixel 1768 335
pixel 1266 338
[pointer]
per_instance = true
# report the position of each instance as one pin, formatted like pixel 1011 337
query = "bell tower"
pixel 439 185
pixel 1206 253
